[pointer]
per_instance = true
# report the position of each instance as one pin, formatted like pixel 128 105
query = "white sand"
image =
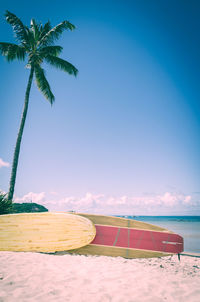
pixel 41 277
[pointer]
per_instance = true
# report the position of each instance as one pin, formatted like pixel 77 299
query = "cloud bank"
pixel 165 204
pixel 32 197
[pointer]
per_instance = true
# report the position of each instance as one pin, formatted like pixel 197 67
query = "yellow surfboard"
pixel 44 232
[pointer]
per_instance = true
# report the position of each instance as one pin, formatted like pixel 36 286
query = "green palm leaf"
pixel 18 27
pixel 62 64
pixel 54 50
pixel 35 29
pixel 12 51
pixel 43 84
pixel 55 32
pixel 44 29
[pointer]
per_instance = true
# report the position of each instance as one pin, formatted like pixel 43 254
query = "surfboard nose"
pixel 44 232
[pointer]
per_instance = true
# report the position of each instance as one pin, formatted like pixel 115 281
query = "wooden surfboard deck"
pixel 44 232
pixel 130 239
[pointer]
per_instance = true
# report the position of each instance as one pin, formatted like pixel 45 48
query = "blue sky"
pixel 124 136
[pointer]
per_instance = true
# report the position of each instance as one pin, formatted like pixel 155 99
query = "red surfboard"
pixel 130 239
pixel 138 239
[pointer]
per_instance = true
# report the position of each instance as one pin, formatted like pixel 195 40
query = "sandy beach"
pixel 75 278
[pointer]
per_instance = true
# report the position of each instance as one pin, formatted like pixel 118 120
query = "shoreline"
pixel 190 254
pixel 29 277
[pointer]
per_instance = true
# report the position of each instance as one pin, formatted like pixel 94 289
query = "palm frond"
pixel 19 28
pixel 31 39
pixel 35 29
pixel 55 33
pixel 44 29
pixel 62 64
pixel 12 51
pixel 43 84
pixel 54 50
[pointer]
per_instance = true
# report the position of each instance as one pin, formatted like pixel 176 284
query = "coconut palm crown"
pixel 36 44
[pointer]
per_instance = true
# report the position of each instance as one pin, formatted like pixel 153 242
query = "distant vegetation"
pixel 28 208
pixel 7 207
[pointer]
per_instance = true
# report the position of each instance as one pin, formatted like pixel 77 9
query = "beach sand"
pixel 75 278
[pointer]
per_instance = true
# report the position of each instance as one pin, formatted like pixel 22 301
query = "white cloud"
pixel 169 199
pixel 165 204
pixel 3 163
pixel 32 197
pixel 187 199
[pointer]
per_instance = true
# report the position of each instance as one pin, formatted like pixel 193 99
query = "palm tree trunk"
pixel 19 138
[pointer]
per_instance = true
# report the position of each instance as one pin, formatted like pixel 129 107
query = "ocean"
pixel 186 226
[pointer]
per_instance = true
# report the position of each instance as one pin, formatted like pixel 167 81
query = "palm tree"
pixel 37 44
